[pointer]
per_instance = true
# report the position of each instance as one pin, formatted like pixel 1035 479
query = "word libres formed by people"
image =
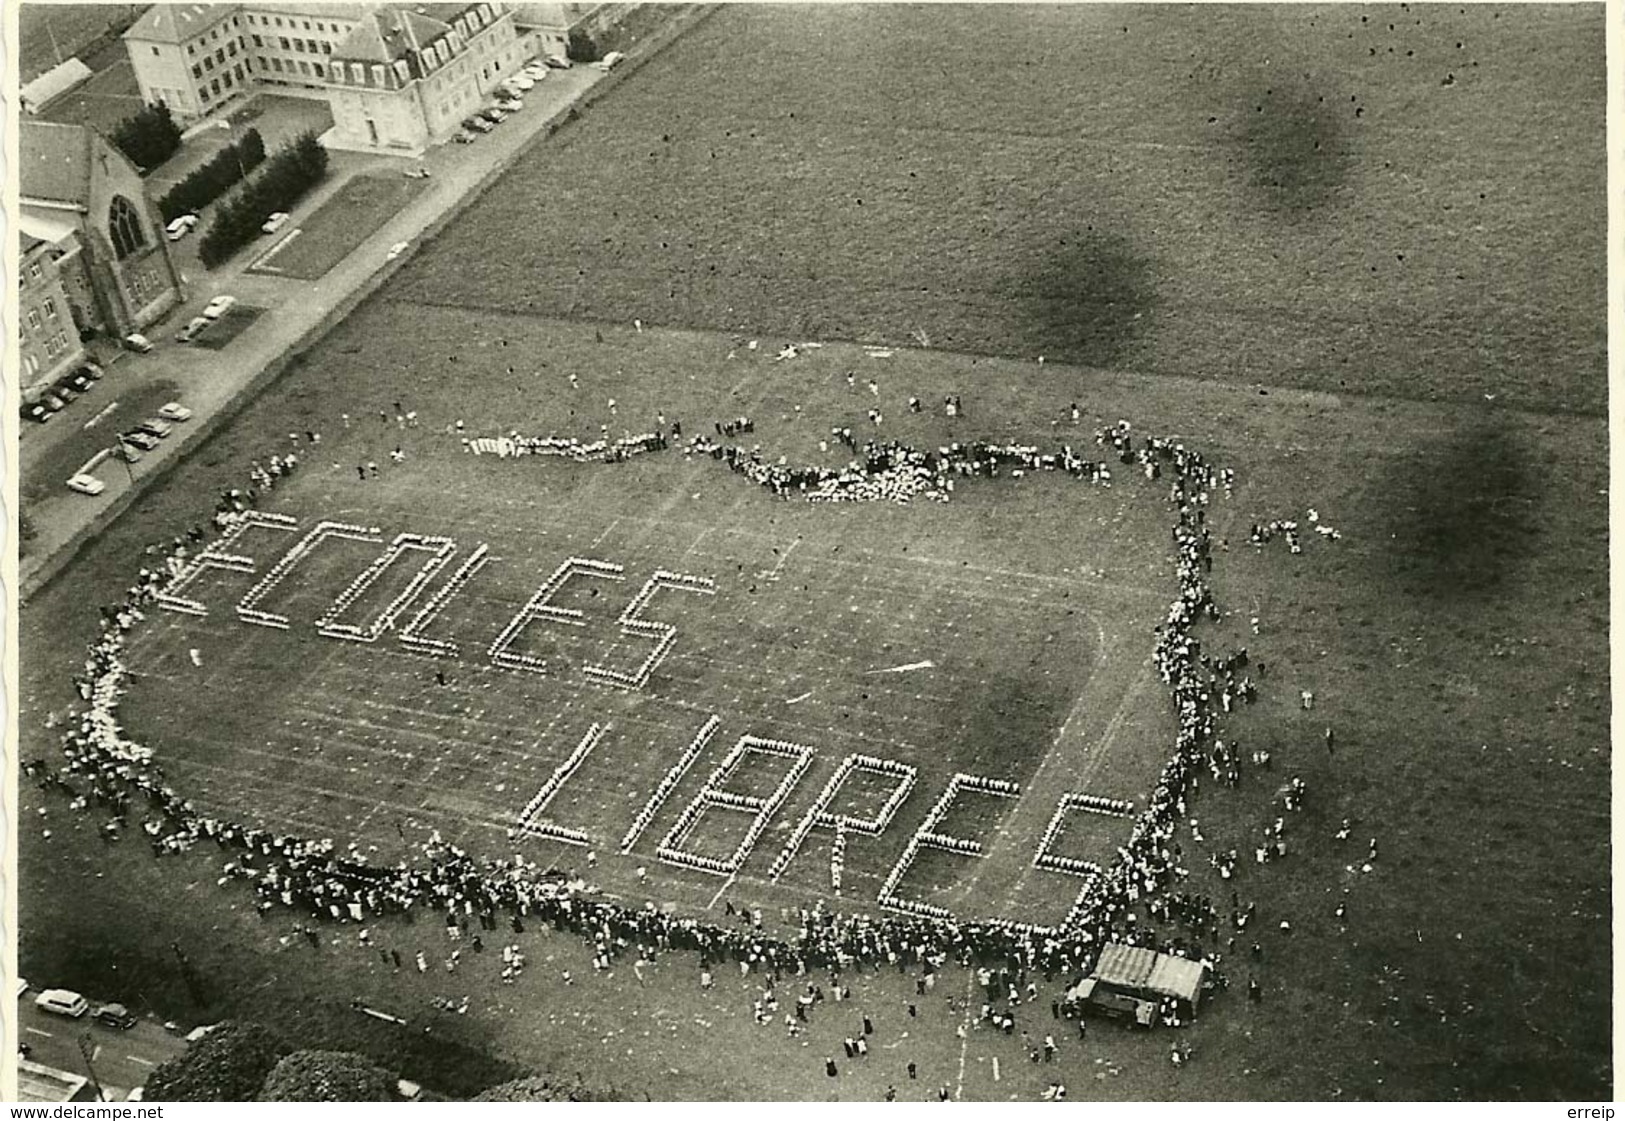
pixel 435 554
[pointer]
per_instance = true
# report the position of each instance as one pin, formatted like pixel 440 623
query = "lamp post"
pixel 231 128
pixel 87 1048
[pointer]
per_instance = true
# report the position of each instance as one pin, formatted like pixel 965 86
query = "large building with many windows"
pixel 196 58
pixel 86 203
pixel 396 76
pixel 48 338
pixel 406 77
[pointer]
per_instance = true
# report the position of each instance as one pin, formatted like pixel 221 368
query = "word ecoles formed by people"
pixel 434 555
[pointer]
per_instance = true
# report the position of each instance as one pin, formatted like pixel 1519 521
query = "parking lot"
pixel 121 1059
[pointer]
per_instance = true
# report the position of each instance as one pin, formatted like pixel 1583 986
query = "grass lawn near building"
pixel 343 222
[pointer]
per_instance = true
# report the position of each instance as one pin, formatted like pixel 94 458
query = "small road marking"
pixel 38 1031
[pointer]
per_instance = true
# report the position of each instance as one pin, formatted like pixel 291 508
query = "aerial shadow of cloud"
pixel 1295 142
pixel 1090 298
pixel 1463 516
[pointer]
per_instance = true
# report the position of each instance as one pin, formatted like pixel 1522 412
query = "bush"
pixel 327 1076
pixel 148 138
pixel 546 1090
pixel 288 176
pixel 227 1065
pixel 214 178
pixel 581 47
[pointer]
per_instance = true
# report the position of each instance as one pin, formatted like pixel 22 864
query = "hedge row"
pixel 287 177
pixel 214 178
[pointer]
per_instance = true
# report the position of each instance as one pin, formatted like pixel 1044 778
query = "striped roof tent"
pixel 54 162
pixel 1135 967
pixel 177 23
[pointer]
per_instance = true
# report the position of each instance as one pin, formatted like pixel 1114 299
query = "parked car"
pixel 91 485
pixel 78 381
pixel 478 124
pixel 65 392
pixel 493 114
pixel 193 329
pixel 142 440
pixel 520 81
pixel 416 172
pixel 92 371
pixel 127 452
pixel 510 104
pixel 218 306
pixel 138 343
pixel 276 221
pixel 33 410
pixel 610 61
pixel 174 410
pixel 558 62
pixel 466 137
pixel 53 402
pixel 397 249
pixel 535 71
pixel 66 1002
pixel 156 426
pixel 181 226
pixel 114 1016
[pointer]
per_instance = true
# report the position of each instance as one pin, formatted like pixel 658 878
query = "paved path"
pixel 210 379
pixel 122 1059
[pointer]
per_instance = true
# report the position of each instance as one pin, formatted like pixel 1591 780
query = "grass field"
pixel 344 221
pixel 49 33
pixel 1456 638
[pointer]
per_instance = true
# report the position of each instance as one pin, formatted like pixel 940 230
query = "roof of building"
pixel 1136 967
pixel 177 23
pixel 56 227
pixel 315 11
pixel 39 1083
pixel 54 82
pixel 28 242
pixel 389 33
pixel 54 161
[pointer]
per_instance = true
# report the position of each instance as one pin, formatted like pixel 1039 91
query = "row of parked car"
pixel 131 445
pixel 510 97
pixel 65 389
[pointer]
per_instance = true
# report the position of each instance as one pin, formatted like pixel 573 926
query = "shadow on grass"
pixel 1294 141
pixel 1464 516
pixel 1090 297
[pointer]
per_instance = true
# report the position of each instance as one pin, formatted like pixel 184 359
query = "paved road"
pixel 122 1059
pixel 209 379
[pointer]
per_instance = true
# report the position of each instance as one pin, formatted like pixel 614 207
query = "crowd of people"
pixel 105 769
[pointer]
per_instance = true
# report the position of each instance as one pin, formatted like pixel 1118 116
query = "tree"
pixel 149 137
pixel 215 178
pixel 546 1090
pixel 581 47
pixel 227 1065
pixel 327 1076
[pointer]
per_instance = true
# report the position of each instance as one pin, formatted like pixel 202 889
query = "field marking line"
pixel 704 533
pixel 964 1042
pixel 38 1031
pixel 609 529
pixel 773 573
pixel 726 884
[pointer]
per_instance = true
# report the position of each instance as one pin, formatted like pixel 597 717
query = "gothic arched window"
pixel 124 227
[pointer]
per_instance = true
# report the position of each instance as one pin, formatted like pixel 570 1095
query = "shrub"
pixel 546 1090
pixel 327 1076
pixel 214 178
pixel 227 1065
pixel 581 47
pixel 149 137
